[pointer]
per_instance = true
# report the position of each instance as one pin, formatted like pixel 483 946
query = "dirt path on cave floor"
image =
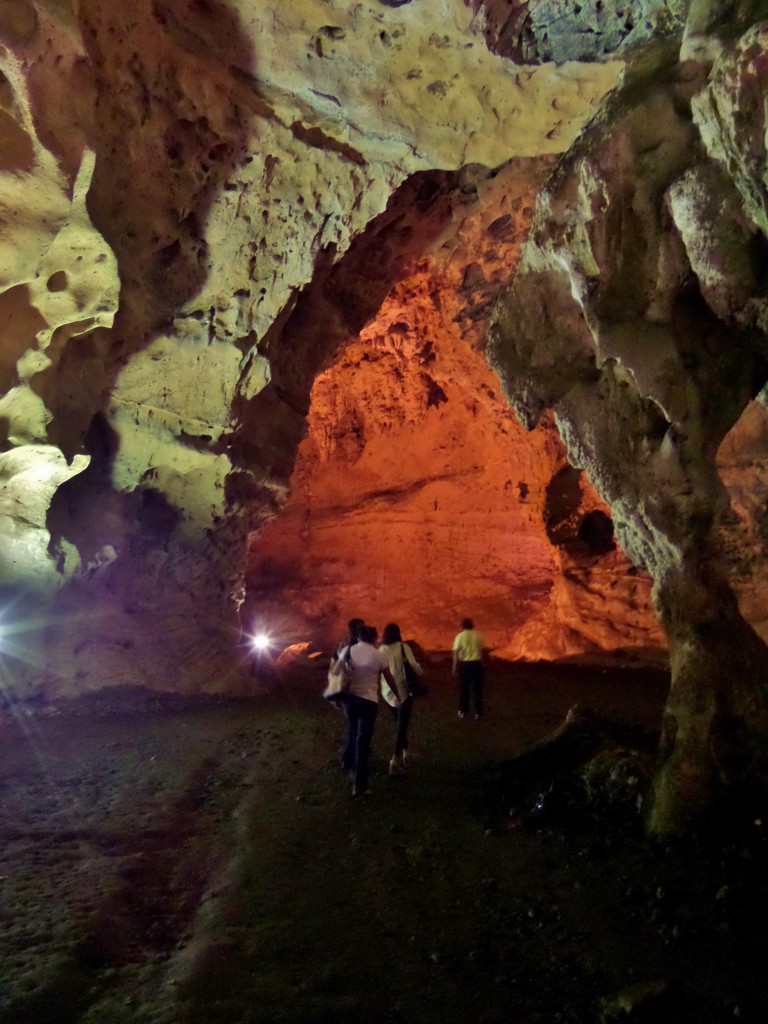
pixel 175 862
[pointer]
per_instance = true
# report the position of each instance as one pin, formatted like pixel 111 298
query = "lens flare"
pixel 21 638
pixel 260 642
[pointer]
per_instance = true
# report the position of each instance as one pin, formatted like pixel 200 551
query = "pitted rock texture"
pixel 636 317
pixel 227 226
pixel 177 180
pixel 536 31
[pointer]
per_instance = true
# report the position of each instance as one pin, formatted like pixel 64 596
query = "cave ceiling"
pixel 249 260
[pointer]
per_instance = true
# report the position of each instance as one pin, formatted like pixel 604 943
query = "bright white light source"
pixel 260 642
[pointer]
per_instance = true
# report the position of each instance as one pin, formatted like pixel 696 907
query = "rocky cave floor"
pixel 182 861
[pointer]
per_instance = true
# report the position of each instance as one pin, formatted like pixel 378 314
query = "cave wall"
pixel 742 466
pixel 638 317
pixel 174 176
pixel 417 496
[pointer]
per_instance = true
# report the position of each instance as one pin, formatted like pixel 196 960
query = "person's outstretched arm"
pixel 412 659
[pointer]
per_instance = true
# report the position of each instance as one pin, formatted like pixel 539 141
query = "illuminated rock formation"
pixel 417 496
pixel 638 317
pixel 173 175
pixel 225 223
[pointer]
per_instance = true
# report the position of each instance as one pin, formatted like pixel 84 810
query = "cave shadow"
pixel 329 313
pixel 331 310
pixel 149 517
pixel 344 295
pixel 152 168
pixel 171 165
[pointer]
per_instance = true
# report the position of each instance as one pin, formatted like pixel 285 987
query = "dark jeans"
pixel 471 678
pixel 361 719
pixel 402 715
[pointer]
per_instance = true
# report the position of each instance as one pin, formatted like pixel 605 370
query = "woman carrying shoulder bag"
pixel 369 674
pixel 399 698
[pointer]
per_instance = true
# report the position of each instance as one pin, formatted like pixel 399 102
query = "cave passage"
pixel 416 495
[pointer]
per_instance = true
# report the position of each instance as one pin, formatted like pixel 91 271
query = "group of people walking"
pixel 375 672
pixel 385 672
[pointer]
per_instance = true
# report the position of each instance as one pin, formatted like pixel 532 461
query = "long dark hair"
pixel 354 627
pixel 391 634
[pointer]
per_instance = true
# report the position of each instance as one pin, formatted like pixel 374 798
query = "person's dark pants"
pixel 471 680
pixel 402 716
pixel 361 719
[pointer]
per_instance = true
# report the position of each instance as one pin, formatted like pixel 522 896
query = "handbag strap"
pixel 405 660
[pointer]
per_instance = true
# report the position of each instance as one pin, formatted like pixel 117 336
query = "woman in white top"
pixel 398 696
pixel 361 703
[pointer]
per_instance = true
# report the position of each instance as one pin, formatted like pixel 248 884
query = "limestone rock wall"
pixel 637 316
pixel 662 324
pixel 536 31
pixel 174 178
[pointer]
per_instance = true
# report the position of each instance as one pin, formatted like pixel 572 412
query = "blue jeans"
pixel 361 719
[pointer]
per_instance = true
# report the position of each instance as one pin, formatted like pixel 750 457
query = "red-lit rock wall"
pixel 418 497
pixel 414 495
pixel 742 463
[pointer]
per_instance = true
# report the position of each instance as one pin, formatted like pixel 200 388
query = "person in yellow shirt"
pixel 468 648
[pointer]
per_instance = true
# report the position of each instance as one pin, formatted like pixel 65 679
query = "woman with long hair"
pixel 398 697
pixel 369 674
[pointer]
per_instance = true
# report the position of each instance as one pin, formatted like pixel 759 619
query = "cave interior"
pixel 401 310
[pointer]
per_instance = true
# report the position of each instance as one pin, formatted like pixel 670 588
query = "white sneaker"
pixel 395 768
pixel 461 714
